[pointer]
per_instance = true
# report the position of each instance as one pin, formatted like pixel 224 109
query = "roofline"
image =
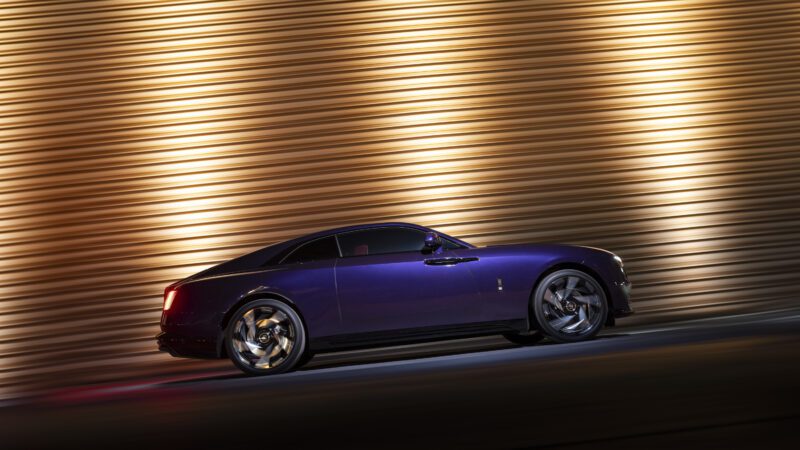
pixel 345 229
pixel 251 260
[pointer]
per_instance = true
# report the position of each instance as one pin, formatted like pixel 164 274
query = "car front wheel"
pixel 265 337
pixel 570 305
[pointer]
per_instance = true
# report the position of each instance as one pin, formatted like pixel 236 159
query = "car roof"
pixel 278 250
pixel 349 228
pixel 363 227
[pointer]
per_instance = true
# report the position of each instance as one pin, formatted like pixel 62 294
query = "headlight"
pixel 619 261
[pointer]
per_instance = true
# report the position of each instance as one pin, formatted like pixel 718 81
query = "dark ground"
pixel 730 382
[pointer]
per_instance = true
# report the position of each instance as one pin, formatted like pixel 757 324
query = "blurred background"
pixel 143 141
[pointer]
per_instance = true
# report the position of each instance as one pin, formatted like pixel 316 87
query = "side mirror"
pixel 432 241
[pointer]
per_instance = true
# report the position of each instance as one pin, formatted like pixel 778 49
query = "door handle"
pixel 441 261
pixel 448 261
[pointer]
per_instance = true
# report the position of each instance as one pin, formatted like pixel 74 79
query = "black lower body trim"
pixel 413 335
pixel 183 347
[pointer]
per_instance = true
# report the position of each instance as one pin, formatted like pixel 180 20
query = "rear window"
pixel 318 250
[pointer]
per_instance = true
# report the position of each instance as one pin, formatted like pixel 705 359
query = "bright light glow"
pixel 427 84
pixel 670 105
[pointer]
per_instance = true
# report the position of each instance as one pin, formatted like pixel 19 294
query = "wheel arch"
pixel 575 266
pixel 247 298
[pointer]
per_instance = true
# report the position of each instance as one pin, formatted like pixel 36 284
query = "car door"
pixel 385 281
pixel 306 276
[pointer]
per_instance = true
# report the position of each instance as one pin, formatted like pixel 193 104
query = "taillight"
pixel 168 298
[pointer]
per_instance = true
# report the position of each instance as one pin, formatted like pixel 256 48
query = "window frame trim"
pixel 423 231
pixel 309 242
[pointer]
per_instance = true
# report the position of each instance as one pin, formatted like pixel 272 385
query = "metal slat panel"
pixel 144 141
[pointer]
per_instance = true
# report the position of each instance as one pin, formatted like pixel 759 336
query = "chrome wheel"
pixel 263 337
pixel 570 305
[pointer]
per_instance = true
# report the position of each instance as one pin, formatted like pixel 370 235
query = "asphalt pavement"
pixel 724 382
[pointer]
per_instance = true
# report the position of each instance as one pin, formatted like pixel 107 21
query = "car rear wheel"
pixel 265 337
pixel 570 305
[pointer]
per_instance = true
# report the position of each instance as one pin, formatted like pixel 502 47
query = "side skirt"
pixel 413 335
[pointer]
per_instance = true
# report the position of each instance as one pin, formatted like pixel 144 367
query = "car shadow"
pixel 426 350
pixel 399 353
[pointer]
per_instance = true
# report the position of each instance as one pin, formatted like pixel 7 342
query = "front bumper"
pixel 622 300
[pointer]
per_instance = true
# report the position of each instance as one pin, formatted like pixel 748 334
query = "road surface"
pixel 728 382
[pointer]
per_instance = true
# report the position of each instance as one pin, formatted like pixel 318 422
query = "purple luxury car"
pixel 269 311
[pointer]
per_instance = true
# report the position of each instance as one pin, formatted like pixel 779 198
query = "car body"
pixel 389 283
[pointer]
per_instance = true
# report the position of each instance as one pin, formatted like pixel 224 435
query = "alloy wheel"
pixel 571 305
pixel 263 337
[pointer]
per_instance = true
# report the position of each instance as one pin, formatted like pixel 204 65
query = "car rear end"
pixel 183 331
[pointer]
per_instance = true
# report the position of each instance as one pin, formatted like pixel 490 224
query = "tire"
pixel 307 356
pixel 265 337
pixel 530 338
pixel 570 306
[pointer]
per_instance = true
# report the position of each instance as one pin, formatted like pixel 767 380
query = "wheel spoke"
pixel 249 318
pixel 549 297
pixel 593 299
pixel 240 347
pixel 559 323
pixel 282 341
pixel 264 361
pixel 581 321
pixel 254 348
pixel 263 318
pixel 278 317
pixel 571 283
pixel 276 349
pixel 249 322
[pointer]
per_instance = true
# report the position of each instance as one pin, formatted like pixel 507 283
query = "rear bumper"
pixel 183 347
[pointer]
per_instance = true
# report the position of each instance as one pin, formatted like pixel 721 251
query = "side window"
pixel 450 245
pixel 377 241
pixel 318 250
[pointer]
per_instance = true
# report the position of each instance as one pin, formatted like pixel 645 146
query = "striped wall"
pixel 141 142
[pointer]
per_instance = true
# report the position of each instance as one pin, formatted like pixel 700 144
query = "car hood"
pixel 545 249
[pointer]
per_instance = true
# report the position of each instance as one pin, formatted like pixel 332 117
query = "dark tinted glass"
pixel 378 241
pixel 318 250
pixel 450 245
